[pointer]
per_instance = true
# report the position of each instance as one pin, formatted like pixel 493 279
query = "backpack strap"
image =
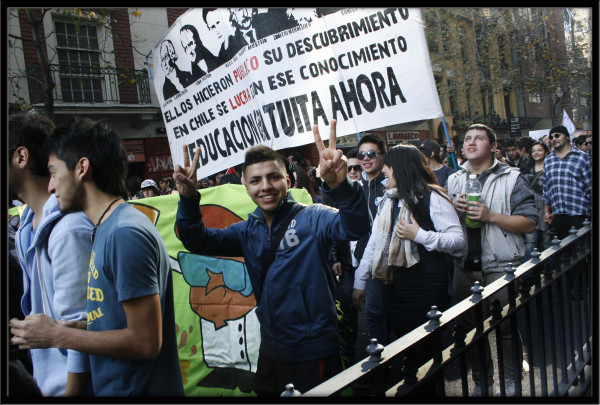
pixel 275 243
pixel 532 182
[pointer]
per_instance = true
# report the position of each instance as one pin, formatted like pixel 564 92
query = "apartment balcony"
pixel 95 92
pixel 80 84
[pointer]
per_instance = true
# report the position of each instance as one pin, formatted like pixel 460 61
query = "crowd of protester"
pixel 137 189
pixel 396 243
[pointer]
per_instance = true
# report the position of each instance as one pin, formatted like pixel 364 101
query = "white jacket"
pixel 498 246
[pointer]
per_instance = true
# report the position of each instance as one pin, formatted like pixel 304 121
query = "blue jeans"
pixel 463 281
pixel 349 316
pixel 374 315
pixel 536 239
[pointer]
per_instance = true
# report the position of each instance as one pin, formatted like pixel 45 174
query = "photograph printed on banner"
pixel 204 45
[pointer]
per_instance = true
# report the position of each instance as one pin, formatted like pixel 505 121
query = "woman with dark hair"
pixel 302 180
pixel 541 237
pixel 415 225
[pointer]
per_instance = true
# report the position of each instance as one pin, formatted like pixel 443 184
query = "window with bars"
pixel 79 59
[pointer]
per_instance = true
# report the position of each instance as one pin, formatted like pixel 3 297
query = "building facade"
pixel 509 68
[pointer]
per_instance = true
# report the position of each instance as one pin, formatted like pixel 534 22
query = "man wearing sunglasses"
pixel 583 143
pixel 354 166
pixel 567 193
pixel 371 150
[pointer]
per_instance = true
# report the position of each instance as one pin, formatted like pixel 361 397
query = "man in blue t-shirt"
pixel 130 331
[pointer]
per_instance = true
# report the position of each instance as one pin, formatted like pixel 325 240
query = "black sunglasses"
pixel 552 136
pixel 371 154
pixel 356 168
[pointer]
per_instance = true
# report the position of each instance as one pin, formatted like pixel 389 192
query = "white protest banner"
pixel 222 93
pixel 538 134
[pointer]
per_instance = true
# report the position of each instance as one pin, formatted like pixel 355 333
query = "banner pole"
pixel 148 63
pixel 449 144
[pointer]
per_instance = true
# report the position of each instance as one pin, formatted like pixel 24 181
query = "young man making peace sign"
pixel 295 304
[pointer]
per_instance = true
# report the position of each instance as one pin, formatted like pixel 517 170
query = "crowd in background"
pixel 418 249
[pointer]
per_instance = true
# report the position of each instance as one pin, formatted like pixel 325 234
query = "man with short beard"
pixel 567 193
pixel 53 249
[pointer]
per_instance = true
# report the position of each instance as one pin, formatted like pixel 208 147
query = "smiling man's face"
pixel 267 184
pixel 371 165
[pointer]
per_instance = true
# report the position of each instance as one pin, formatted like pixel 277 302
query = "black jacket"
pixel 374 190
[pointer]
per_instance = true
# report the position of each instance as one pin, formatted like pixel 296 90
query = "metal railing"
pixel 549 303
pixel 88 84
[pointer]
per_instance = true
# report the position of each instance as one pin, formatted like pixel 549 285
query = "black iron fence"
pixel 90 84
pixel 549 309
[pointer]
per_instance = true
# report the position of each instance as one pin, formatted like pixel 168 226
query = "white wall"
pixel 146 32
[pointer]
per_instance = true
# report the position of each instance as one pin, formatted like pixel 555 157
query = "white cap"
pixel 148 183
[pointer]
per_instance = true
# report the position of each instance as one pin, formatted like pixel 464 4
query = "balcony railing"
pixel 91 85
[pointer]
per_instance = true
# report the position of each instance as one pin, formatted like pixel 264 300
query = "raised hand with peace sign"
pixel 333 165
pixel 185 177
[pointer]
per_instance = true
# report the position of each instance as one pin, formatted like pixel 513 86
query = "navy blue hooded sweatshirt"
pixel 295 307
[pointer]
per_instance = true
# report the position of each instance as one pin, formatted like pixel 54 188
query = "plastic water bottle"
pixel 473 194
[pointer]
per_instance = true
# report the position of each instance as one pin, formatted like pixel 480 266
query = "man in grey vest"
pixel 506 210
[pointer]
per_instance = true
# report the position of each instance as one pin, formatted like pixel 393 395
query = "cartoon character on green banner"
pixel 222 297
